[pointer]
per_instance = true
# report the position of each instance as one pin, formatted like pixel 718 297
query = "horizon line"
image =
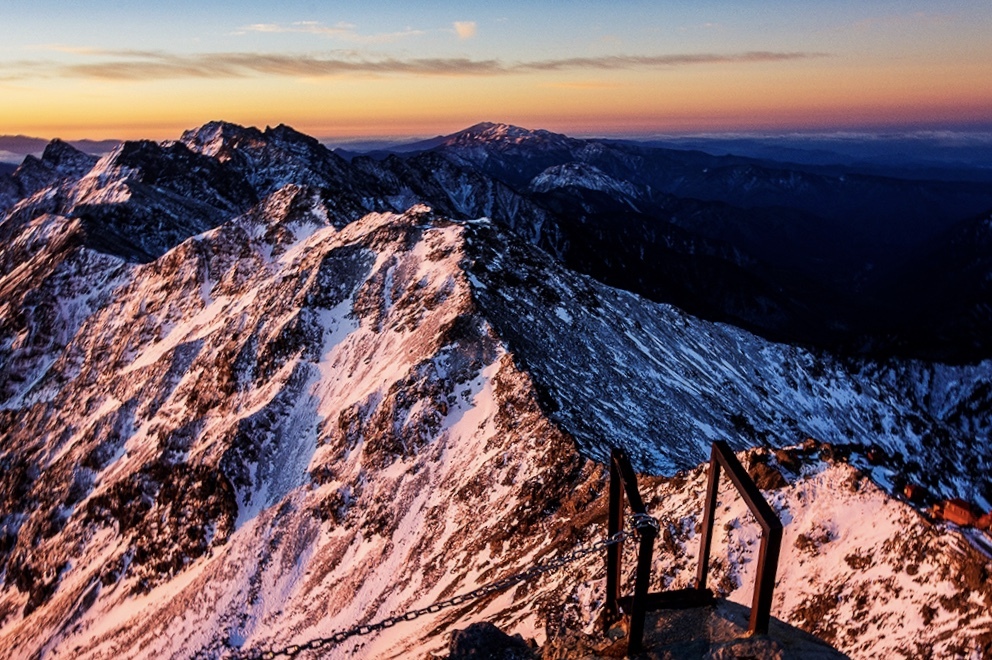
pixel 976 132
pixel 894 128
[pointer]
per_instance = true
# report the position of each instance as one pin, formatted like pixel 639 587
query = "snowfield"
pixel 279 415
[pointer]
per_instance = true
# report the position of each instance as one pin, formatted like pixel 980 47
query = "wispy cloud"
pixel 465 29
pixel 156 65
pixel 343 31
pixel 613 62
pixel 240 65
pixel 592 85
pixel 11 157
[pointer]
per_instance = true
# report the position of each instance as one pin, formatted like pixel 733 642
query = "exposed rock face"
pixel 59 162
pixel 485 641
pixel 240 411
pixel 718 632
pixel 615 370
pixel 267 394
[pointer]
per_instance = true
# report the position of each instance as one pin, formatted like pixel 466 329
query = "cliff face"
pixel 240 411
pixel 273 415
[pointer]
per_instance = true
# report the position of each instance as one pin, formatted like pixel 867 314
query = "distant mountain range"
pixel 948 154
pixel 825 256
pixel 852 258
pixel 912 154
pixel 254 392
pixel 13 148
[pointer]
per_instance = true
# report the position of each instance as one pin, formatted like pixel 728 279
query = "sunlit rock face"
pixel 289 413
pixel 254 394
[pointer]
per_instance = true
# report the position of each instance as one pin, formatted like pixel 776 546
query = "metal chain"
pixel 641 521
pixel 491 588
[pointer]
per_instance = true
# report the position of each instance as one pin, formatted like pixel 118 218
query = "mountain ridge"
pixel 300 409
pixel 825 248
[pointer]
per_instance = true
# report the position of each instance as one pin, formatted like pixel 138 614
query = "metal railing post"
pixel 614 525
pixel 639 606
pixel 623 482
pixel 771 532
pixel 764 588
pixel 709 511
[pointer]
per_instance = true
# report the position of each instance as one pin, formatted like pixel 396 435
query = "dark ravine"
pixel 823 248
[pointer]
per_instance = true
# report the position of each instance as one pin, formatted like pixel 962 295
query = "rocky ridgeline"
pixel 240 410
pixel 266 394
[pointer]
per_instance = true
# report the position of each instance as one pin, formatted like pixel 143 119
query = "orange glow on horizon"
pixel 100 73
pixel 791 96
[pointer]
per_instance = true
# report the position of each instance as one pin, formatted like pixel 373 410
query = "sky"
pixel 121 69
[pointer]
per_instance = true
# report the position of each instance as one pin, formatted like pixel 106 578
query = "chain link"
pixel 493 587
pixel 641 521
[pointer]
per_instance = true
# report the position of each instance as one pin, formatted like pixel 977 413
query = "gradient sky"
pixel 102 69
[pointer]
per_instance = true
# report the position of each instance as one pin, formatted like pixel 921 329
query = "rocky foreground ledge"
pixel 714 633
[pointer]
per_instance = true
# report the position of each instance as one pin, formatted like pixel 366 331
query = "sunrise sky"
pixel 103 69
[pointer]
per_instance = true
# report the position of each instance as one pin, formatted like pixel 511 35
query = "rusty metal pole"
pixel 614 526
pixel 771 536
pixel 639 606
pixel 764 588
pixel 709 511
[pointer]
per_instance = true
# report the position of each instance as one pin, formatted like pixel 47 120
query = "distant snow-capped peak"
pixel 580 175
pixel 499 133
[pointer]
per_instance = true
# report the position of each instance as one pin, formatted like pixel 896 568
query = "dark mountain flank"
pixel 253 393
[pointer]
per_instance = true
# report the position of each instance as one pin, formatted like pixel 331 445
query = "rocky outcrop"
pixel 270 416
pixel 717 632
pixel 484 640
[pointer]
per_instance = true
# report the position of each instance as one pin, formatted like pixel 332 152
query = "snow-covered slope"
pixel 582 175
pixel 283 421
pixel 861 570
pixel 271 416
pixel 617 370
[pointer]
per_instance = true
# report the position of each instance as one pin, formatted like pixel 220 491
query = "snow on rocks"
pixel 269 416
pixel 865 572
pixel 618 370
pixel 327 432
